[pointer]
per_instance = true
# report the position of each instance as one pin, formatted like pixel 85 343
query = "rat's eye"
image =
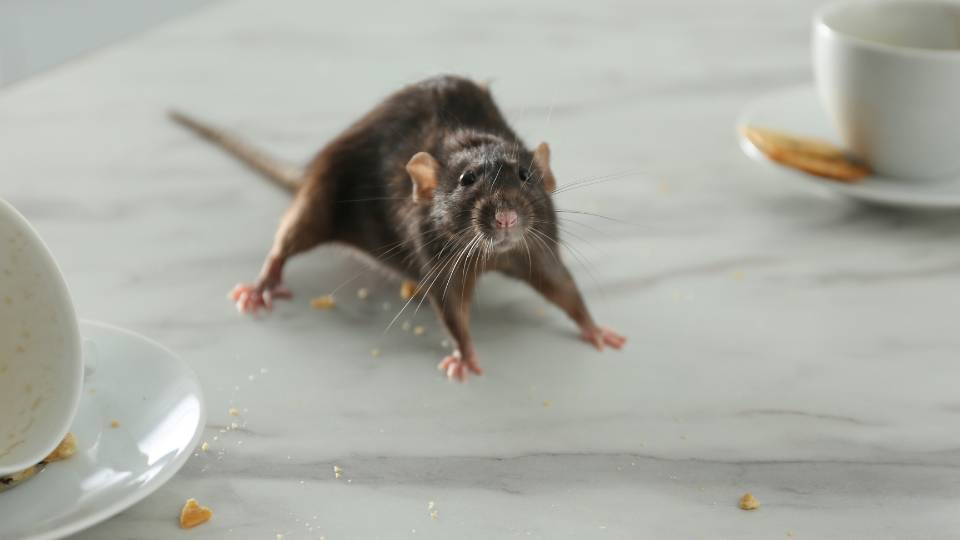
pixel 524 174
pixel 467 178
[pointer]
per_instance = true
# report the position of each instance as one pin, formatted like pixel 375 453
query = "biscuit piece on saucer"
pixel 813 156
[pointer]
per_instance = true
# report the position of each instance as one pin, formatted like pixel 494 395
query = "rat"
pixel 434 185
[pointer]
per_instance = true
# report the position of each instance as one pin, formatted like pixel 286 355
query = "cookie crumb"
pixel 233 411
pixel 813 156
pixel 363 293
pixel 419 330
pixel 323 302
pixel 749 502
pixel 66 448
pixel 547 403
pixel 114 424
pixel 192 514
pixel 205 446
pixel 408 289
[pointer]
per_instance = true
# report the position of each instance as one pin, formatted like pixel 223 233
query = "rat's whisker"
pixel 585 213
pixel 435 271
pixel 591 180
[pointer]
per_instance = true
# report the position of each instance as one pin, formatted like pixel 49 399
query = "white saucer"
pixel 156 399
pixel 797 111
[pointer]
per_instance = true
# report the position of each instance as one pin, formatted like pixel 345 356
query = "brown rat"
pixel 434 185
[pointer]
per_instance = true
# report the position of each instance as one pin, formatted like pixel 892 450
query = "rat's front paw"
pixel 600 336
pixel 456 367
pixel 249 298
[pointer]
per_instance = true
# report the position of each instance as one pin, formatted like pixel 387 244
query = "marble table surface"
pixel 796 346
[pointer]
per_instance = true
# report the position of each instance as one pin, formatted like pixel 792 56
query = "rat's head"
pixel 485 188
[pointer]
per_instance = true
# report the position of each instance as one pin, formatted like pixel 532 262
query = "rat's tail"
pixel 285 175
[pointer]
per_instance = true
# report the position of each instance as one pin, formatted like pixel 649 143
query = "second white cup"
pixel 888 74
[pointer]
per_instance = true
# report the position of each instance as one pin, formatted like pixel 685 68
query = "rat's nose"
pixel 506 219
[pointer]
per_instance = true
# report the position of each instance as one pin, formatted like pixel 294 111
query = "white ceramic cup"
pixel 888 74
pixel 41 368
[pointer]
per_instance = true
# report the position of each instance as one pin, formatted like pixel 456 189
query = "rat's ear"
pixel 423 171
pixel 541 156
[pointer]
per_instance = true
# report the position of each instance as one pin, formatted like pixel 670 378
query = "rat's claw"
pixel 249 298
pixel 601 336
pixel 456 367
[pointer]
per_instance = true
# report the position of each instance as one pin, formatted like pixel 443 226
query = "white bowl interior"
pixel 919 25
pixel 41 370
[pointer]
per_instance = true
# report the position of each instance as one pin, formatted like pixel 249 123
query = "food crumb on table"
pixel 192 514
pixel 233 411
pixel 363 293
pixel 749 502
pixel 114 424
pixel 408 289
pixel 323 302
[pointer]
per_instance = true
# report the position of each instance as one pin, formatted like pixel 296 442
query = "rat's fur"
pixel 448 137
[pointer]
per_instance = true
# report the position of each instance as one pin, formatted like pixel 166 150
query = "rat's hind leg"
pixel 555 283
pixel 305 225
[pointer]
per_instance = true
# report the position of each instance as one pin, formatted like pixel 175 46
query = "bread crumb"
pixel 233 411
pixel 419 330
pixel 323 302
pixel 363 293
pixel 192 514
pixel 749 502
pixel 434 515
pixel 279 536
pixel 66 448
pixel 114 424
pixel 431 505
pixel 337 472
pixel 408 289
pixel 205 446
pixel 547 403
pixel 375 353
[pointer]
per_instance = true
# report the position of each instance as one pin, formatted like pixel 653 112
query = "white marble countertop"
pixel 798 347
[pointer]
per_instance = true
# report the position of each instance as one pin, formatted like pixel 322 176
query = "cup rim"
pixel 74 341
pixel 821 26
